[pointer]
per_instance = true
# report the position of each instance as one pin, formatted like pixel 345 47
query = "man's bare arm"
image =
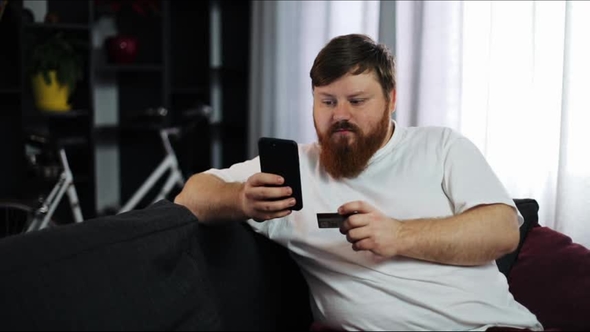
pixel 212 199
pixel 477 236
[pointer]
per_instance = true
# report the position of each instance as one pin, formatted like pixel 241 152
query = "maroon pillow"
pixel 552 279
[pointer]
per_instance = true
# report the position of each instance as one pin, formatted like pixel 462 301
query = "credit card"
pixel 330 220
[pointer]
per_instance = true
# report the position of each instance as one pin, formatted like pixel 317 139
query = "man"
pixel 427 217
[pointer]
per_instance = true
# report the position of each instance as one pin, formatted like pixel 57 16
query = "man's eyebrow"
pixel 352 95
pixel 325 94
pixel 356 94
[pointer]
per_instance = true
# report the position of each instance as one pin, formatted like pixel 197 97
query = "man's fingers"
pixel 266 198
pixel 353 221
pixel 281 214
pixel 355 207
pixel 268 193
pixel 265 179
pixel 365 244
pixel 357 234
pixel 266 207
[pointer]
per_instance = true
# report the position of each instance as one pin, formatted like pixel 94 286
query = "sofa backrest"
pixel 257 284
pixel 529 209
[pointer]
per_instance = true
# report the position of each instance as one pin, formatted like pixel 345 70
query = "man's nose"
pixel 341 112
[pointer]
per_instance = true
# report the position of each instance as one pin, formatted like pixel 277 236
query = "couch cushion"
pixel 141 270
pixel 257 284
pixel 529 209
pixel 552 279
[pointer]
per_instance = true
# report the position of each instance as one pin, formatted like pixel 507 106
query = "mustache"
pixel 343 125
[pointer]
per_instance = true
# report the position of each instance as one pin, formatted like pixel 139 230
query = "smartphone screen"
pixel 281 157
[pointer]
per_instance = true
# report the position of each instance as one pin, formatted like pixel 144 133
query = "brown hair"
pixel 355 54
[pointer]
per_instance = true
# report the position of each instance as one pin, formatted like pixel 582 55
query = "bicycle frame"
pixel 170 162
pixel 65 185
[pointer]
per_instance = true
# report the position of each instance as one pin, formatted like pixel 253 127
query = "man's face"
pixel 352 119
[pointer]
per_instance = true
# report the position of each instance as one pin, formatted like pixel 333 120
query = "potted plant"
pixel 124 47
pixel 55 67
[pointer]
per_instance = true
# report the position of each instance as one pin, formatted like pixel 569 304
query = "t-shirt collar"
pixel 397 136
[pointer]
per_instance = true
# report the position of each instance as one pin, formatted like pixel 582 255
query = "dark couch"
pixel 158 269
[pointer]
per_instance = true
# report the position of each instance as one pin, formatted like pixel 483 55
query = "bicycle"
pixel 18 217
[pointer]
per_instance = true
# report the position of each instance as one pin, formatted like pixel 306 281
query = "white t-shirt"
pixel 425 172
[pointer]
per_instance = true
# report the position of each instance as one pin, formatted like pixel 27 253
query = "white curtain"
pixel 286 37
pixel 513 77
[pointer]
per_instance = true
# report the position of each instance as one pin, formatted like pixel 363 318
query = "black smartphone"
pixel 281 157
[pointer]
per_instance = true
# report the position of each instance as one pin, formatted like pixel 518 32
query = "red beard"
pixel 344 159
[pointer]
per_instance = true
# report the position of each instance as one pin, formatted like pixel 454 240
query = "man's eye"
pixel 329 102
pixel 357 101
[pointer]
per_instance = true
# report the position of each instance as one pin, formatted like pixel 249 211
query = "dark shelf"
pixel 34 116
pixel 72 141
pixel 130 127
pixel 9 90
pixel 105 129
pixel 131 67
pixel 58 26
pixel 106 132
pixel 72 114
pixel 189 90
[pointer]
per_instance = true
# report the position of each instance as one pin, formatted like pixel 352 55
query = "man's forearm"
pixel 474 237
pixel 211 199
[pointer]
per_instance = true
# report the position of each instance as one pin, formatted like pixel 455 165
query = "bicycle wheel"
pixel 15 218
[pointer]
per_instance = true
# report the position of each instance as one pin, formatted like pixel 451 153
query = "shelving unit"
pixel 134 68
pixel 190 53
pixel 19 113
pixel 57 26
pixel 9 91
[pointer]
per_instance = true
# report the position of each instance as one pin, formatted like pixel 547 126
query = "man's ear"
pixel 392 100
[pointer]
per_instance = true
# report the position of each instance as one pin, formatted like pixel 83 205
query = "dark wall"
pixel 235 79
pixel 11 145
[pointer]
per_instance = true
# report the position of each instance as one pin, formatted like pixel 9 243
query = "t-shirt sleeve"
pixel 239 172
pixel 469 180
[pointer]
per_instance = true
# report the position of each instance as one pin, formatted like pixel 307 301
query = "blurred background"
pixel 511 76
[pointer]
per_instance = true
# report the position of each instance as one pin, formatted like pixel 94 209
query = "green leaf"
pixel 57 53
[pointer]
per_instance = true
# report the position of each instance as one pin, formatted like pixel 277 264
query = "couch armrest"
pixel 529 209
pixel 140 270
pixel 258 285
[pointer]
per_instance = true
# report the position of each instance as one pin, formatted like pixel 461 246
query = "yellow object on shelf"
pixel 51 97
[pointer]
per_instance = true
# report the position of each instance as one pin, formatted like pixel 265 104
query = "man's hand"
pixel 262 198
pixel 367 228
